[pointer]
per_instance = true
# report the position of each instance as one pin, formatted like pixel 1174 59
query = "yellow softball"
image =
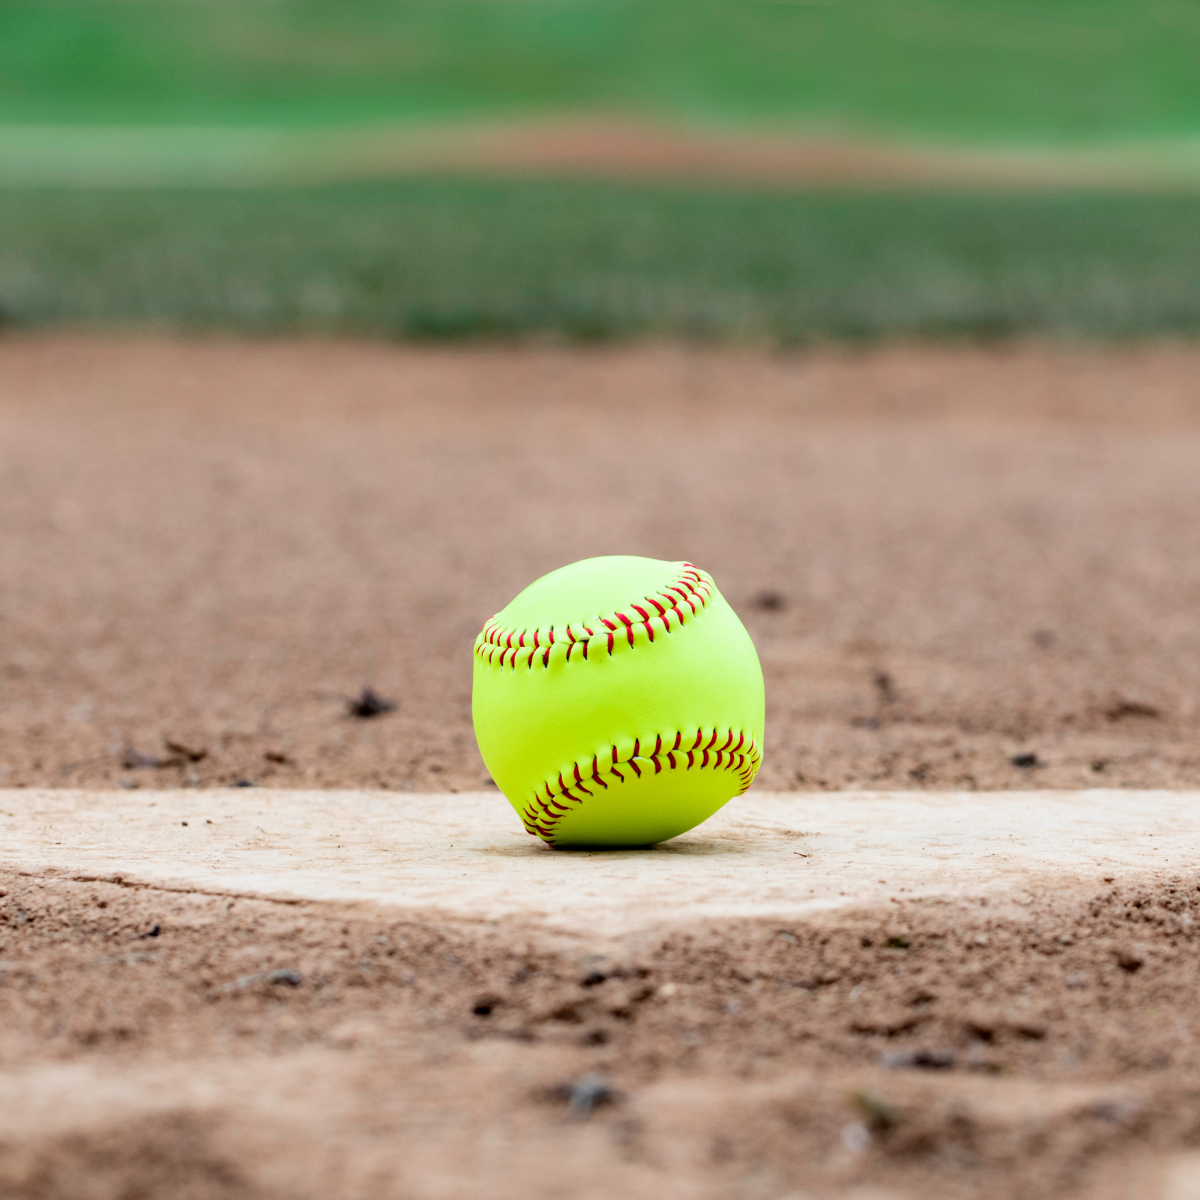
pixel 618 702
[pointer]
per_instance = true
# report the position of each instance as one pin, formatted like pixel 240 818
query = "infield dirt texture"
pixel 962 568
pixel 966 570
pixel 268 993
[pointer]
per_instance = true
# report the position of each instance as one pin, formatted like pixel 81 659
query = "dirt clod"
pixel 368 703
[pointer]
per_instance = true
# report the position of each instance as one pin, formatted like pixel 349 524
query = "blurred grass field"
pixel 194 93
pixel 1012 70
pixel 460 258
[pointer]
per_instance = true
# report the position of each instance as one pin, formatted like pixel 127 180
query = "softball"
pixel 618 702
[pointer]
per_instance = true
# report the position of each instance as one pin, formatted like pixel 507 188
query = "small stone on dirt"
pixel 879 1113
pixel 1132 708
pixel 285 975
pixel 1131 958
pixel 188 752
pixel 131 760
pixel 586 1093
pixel 369 703
pixel 922 1060
pixel 769 601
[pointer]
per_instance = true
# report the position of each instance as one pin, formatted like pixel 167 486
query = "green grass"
pixel 460 259
pixel 1023 70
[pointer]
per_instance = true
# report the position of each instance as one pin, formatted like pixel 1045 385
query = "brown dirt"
pixel 949 558
pixel 165 1044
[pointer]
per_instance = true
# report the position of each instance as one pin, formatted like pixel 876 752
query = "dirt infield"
pixel 968 568
pixel 187 1008
pixel 963 567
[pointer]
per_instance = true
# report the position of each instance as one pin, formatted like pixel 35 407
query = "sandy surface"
pixel 318 996
pixel 967 570
pixel 948 558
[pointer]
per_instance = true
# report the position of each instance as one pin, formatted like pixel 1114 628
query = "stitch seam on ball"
pixel 692 589
pixel 548 806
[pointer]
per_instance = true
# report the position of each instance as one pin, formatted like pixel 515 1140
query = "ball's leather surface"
pixel 618 701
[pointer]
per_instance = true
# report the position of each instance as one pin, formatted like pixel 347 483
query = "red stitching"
pixel 688 594
pixel 628 628
pixel 744 764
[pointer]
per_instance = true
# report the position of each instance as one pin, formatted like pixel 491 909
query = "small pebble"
pixel 587 1092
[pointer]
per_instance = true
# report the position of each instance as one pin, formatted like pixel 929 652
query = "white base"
pixel 465 856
